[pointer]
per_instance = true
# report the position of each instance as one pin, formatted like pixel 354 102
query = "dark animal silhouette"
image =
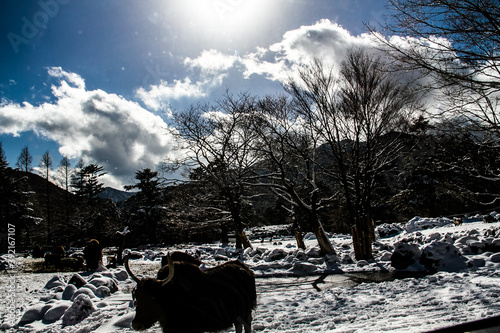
pixel 191 300
pixel 59 250
pixel 37 251
pixel 52 259
pixel 180 257
pixel 55 257
pixel 93 254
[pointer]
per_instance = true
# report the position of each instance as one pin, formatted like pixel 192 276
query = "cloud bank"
pixel 212 69
pixel 94 125
pixel 125 136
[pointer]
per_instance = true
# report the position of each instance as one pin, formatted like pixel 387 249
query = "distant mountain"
pixel 115 195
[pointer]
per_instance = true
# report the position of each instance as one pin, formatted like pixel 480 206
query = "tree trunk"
pixel 363 234
pixel 300 239
pixel 119 254
pixel 323 241
pixel 242 240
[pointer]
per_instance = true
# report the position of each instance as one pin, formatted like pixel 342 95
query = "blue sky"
pixel 97 79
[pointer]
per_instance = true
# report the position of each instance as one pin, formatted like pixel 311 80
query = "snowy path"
pixel 316 303
pixel 408 305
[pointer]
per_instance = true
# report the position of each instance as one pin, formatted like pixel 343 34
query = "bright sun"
pixel 229 18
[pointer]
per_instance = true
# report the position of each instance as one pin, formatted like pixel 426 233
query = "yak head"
pixel 149 298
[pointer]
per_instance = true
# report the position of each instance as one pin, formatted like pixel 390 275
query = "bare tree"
pixel 24 160
pixel 45 165
pixel 457 43
pixel 64 169
pixel 360 115
pixel 219 144
pixel 289 151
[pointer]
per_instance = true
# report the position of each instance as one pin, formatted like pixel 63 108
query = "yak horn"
pixel 127 268
pixel 170 271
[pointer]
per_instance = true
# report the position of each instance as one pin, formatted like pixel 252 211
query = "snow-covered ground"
pixel 295 294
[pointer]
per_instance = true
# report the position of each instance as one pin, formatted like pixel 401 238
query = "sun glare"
pixel 229 18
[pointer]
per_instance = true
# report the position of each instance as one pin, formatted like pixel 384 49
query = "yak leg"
pixel 248 323
pixel 238 327
pixel 240 323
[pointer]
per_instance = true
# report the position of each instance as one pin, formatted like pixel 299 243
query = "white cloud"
pixel 159 96
pixel 212 62
pixel 324 40
pixel 97 126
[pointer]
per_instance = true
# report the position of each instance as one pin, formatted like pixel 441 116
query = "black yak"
pixel 191 300
pixel 52 259
pixel 180 256
pixel 93 254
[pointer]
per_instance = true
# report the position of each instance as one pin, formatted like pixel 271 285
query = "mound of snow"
pixel 388 230
pixel 405 255
pixel 441 256
pixel 55 282
pixel 81 308
pixel 422 223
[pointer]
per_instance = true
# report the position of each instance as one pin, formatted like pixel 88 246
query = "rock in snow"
pixel 81 308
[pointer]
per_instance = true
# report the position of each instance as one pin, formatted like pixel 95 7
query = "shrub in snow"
pixel 405 255
pixel 420 223
pixel 69 291
pixel 441 256
pixel 55 282
pixel 81 308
